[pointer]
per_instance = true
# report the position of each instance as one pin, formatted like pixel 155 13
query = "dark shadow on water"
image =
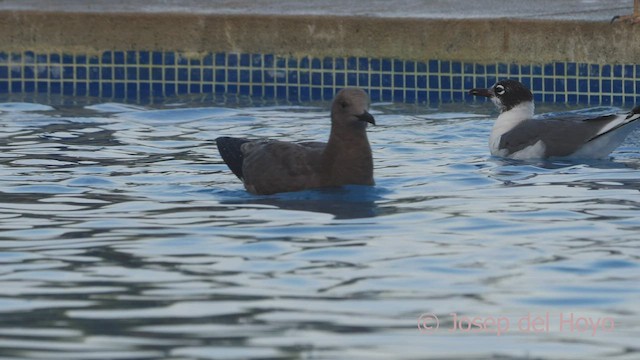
pixel 346 202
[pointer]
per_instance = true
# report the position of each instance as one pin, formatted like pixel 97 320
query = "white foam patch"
pixel 23 107
pixel 176 116
pixel 114 108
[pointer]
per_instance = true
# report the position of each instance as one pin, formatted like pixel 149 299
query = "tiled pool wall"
pixel 139 75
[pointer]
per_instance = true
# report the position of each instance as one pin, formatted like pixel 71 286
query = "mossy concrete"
pixel 473 40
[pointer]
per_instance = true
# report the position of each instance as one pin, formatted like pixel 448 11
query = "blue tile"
pixel 94 89
pixel 327 63
pixel 375 65
pixel 547 98
pixel 559 68
pixel 119 73
pixel 536 70
pixel 387 81
pixel 456 67
pixel 305 63
pixel 305 94
pixel 292 78
pixel 221 59
pixel 605 86
pixel 398 95
pixel 480 69
pixel 316 93
pixel 434 96
pixel 398 80
pixel 195 75
pixel 232 60
pixel 145 90
pixel 256 76
pixel 434 83
pixel 30 86
pixel 67 59
pixel 208 60
pixel 560 98
pixel 410 81
pixel 456 82
pixel 81 90
pixel 583 70
pixel 144 58
pixel 156 74
pixel 183 74
pixel 421 81
pixel 195 89
pixel 617 86
pixel 421 96
pixel 594 70
pixel 386 65
pixel 617 100
pixel 629 86
pixel 292 63
pixel 118 57
pixel 157 89
pixel 131 57
pixel 491 69
pixel 170 74
pixel 28 73
pixel 398 66
pixel 572 85
pixel 583 85
pixel 181 60
pixel 572 69
pixel 617 71
pixel 559 85
pixel 245 61
pixel 106 73
pixel 352 79
pixel 376 80
pixel 207 75
pixel 503 70
pixel 42 87
pixel 316 79
pixel 107 89
pixel 119 90
pixel 327 94
pixel 628 71
pixel 421 67
pixel 445 67
pixel 548 70
pixel 207 88
pixel 605 70
pixel 363 64
pixel 232 76
pixel 363 80
pixel 374 95
pixel 221 76
pixel 144 74
pixel 182 89
pixel 305 78
pixel 536 86
pixel 268 61
pixel 514 69
pixel 549 85
pixel 434 67
pixel 327 79
pixel 386 95
pixel 594 86
pixel 156 58
pixel 132 90
pixel 352 64
pixel 4 72
pixel 281 63
pixel 316 64
pixel 572 99
pixel 445 82
pixel 169 89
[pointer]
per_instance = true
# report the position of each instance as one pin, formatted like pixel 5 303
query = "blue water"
pixel 123 236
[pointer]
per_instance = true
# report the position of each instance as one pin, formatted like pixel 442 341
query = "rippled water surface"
pixel 123 236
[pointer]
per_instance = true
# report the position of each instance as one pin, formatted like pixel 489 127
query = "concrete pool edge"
pixel 470 40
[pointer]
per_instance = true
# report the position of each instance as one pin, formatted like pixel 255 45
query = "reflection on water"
pixel 122 236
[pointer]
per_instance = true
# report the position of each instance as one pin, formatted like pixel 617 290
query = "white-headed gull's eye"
pixel 500 90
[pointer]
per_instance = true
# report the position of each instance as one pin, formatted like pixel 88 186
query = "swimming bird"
pixel 517 134
pixel 274 166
